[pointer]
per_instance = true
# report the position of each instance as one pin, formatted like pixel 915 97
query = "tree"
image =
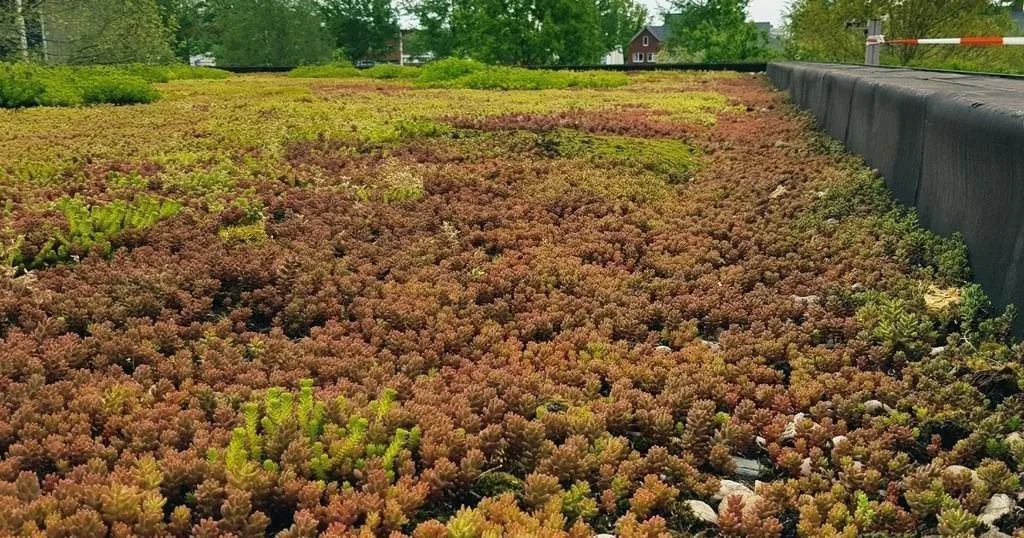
pixel 715 31
pixel 818 27
pixel 362 29
pixel 437 32
pixel 190 23
pixel 620 21
pixel 268 33
pixel 87 31
pixel 532 32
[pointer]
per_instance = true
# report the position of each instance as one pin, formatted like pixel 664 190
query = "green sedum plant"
pixel 337 439
pixel 93 226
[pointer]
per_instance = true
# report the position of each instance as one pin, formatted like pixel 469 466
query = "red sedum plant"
pixel 551 313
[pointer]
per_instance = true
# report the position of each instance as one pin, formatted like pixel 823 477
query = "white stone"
pixel 874 407
pixel 805 467
pixel 728 487
pixel 779 191
pixel 713 346
pixel 936 351
pixel 998 506
pixel 748 468
pixel 956 470
pixel 790 431
pixel 703 511
pixel 605 536
pixel 761 441
pixel 663 349
pixel 806 300
pixel 838 439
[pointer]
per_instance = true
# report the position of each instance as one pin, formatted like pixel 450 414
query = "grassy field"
pixel 360 307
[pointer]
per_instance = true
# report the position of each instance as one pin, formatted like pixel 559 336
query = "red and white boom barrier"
pixel 962 41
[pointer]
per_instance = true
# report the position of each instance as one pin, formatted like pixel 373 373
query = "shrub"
pixel 170 72
pixel 26 85
pixel 469 75
pixel 115 88
pixel 334 70
pixel 448 69
pixel 391 71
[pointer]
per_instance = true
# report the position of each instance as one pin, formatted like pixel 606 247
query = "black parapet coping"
pixel 741 67
pixel 950 144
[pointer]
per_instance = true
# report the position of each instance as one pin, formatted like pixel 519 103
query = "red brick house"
pixel 645 45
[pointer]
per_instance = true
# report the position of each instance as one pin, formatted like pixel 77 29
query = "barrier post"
pixel 873 49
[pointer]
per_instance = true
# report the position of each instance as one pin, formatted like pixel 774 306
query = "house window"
pixel 638 57
pixel 647 41
pixel 650 57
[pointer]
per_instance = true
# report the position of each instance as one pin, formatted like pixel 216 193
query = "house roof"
pixel 660 32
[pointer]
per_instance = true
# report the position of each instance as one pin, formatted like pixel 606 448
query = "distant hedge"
pixel 27 85
pixel 457 73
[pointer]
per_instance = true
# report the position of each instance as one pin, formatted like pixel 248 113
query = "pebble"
pixel 779 191
pixel 806 300
pixel 748 468
pixel 761 441
pixel 874 407
pixel 790 431
pixel 605 536
pixel 838 439
pixel 728 487
pixel 805 467
pixel 663 349
pixel 713 346
pixel 703 511
pixel 998 506
pixel 936 351
pixel 956 469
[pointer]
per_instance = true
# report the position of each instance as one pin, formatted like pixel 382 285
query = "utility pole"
pixel 401 46
pixel 873 46
pixel 19 27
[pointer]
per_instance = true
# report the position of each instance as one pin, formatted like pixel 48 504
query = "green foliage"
pixel 26 85
pixel 97 225
pixel 449 69
pixel 577 503
pixel 116 89
pixel 620 20
pixel 897 325
pixel 362 29
pixel 391 71
pixel 715 31
pixel 337 446
pixel 268 32
pixel 99 31
pixel 866 199
pixel 472 75
pixel 536 32
pixel 332 70
pixel 670 158
pixel 818 32
pixel 976 321
pixel 957 522
pixel 170 72
pixel 249 227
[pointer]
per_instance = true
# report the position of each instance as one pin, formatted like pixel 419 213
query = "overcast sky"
pixel 760 10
